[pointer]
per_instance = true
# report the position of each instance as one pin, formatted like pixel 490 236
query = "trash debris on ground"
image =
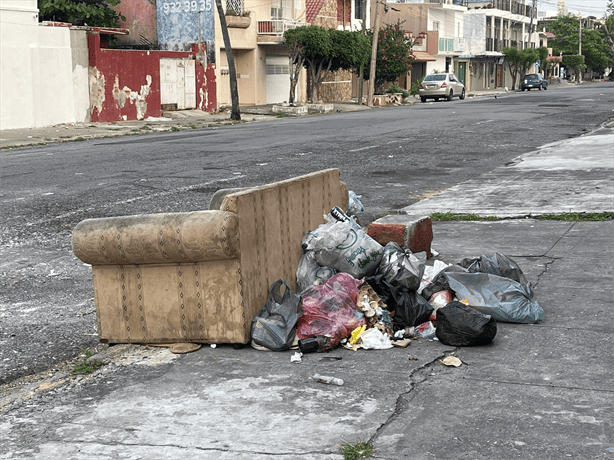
pixel 461 326
pixel 274 326
pixel 296 357
pixel 328 380
pixel 330 310
pixel 178 348
pixel 451 361
pixel 400 267
pixel 343 245
pixel 358 294
pixel 354 204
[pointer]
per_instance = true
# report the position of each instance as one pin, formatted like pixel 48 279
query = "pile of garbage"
pixel 356 293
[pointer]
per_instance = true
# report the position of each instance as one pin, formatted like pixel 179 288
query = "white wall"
pixel 38 85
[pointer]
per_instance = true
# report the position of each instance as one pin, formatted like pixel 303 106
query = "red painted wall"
pixel 125 84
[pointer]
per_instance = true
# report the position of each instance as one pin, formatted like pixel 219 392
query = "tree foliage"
pixel 519 61
pixel 96 13
pixel 394 56
pixel 321 51
pixel 596 48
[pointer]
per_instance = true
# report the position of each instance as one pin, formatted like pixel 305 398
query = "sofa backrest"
pixel 272 222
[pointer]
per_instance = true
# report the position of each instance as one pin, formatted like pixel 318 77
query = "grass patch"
pixel 282 115
pixel 579 216
pixel 193 126
pixel 357 451
pixel 174 128
pixel 145 127
pixel 79 139
pixel 466 217
pixel 83 367
pixel 135 130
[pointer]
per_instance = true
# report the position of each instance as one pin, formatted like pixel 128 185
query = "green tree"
pixel 576 62
pixel 321 51
pixel 545 64
pixel 97 13
pixel 596 50
pixel 520 61
pixel 394 57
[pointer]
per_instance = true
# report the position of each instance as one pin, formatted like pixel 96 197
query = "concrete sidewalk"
pixel 538 392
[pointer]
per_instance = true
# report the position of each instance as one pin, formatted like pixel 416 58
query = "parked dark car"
pixel 534 80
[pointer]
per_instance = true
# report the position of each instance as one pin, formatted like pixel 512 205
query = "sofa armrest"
pixel 158 238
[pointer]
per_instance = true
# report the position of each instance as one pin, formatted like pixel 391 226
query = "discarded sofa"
pixel 201 276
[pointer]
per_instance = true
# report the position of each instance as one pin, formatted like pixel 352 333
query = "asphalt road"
pixel 392 157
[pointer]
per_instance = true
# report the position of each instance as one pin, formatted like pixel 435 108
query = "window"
pixel 358 9
pixel 435 25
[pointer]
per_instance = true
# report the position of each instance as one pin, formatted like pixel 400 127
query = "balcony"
pixel 272 31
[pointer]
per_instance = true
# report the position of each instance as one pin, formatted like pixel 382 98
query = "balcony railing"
pixel 277 27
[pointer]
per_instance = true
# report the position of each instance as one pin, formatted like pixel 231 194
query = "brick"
pixel 407 232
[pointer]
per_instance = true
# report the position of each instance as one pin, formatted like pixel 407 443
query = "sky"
pixel 587 7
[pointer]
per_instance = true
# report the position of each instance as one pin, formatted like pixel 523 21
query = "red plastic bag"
pixel 330 309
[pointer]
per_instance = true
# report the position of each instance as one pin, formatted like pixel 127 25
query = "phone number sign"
pixel 178 23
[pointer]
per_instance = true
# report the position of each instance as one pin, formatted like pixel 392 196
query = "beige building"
pixel 256 29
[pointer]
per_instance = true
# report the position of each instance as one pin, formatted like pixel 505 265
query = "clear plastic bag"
pixel 344 246
pixel 309 273
pixel 402 267
pixel 330 309
pixel 354 204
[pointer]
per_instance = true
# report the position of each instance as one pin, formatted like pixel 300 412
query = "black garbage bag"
pixel 410 308
pixel 440 282
pixel 274 327
pixel 461 326
pixel 401 267
pixel 495 264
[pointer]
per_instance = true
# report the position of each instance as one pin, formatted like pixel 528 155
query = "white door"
pixel 277 79
pixel 178 82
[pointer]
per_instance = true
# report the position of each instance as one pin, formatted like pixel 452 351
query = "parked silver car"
pixel 441 85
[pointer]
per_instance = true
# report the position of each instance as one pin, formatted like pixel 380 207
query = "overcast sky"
pixel 587 7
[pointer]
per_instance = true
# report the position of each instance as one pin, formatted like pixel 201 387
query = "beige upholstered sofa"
pixel 201 276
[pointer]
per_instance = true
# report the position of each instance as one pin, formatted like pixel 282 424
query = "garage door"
pixel 277 79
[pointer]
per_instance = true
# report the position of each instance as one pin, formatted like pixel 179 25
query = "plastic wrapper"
pixel 426 330
pixel 409 307
pixel 441 299
pixel 374 339
pixel 503 298
pixel 344 246
pixel 430 272
pixel 461 326
pixel 330 309
pixel 309 273
pixel 354 204
pixel 274 327
pixel 401 267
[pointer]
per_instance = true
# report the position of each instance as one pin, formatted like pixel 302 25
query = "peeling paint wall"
pixel 125 84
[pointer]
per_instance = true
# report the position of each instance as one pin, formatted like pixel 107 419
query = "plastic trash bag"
pixel 503 298
pixel 409 307
pixel 274 327
pixel 374 339
pixel 330 309
pixel 495 264
pixel 309 273
pixel 344 246
pixel 461 326
pixel 401 267
pixel 354 204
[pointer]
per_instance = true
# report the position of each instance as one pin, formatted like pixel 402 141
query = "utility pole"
pixel 373 55
pixel 361 78
pixel 235 113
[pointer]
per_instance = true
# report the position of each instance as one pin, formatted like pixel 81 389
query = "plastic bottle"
pixel 328 380
pixel 338 214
